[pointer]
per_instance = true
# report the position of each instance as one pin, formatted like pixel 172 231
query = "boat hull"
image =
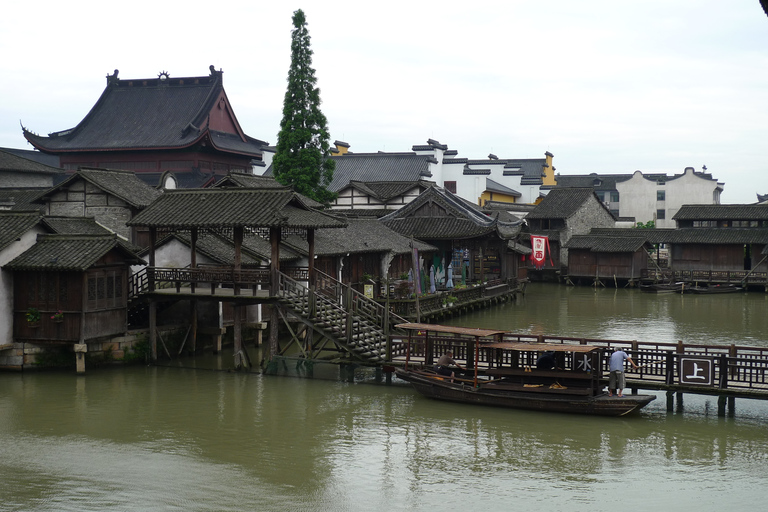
pixel 601 405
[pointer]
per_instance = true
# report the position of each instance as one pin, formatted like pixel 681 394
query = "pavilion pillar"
pixel 274 239
pixel 274 286
pixel 236 308
pixel 311 256
pixel 192 284
pixel 152 244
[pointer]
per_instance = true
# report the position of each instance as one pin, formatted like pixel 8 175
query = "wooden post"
pixel 153 328
pixel 152 243
pixel 274 319
pixel 274 239
pixel 193 258
pixel 311 256
pixel 238 335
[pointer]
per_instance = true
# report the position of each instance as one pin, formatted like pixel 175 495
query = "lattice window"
pixel 91 288
pixel 63 291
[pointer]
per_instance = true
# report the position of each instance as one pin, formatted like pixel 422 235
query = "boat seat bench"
pixel 520 372
pixel 541 389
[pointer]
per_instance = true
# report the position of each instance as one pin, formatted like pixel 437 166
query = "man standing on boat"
pixel 443 366
pixel 616 380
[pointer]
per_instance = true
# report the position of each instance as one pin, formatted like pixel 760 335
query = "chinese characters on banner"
pixel 540 246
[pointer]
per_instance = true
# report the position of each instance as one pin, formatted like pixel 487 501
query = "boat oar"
pixel 648 364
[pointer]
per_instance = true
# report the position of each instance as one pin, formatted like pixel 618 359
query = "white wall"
pixel 637 196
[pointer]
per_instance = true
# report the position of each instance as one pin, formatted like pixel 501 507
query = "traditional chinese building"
pixel 172 132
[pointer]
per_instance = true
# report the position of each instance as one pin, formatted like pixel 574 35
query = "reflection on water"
pixel 193 439
pixel 180 439
pixel 628 314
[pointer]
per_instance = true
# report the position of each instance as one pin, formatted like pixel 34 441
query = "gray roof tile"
pixel 68 252
pixel 149 113
pixel 229 207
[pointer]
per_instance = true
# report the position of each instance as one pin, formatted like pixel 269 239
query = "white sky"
pixel 606 86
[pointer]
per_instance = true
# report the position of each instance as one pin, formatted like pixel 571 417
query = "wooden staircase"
pixel 353 322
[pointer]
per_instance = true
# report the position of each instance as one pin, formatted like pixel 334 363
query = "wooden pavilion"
pixel 237 212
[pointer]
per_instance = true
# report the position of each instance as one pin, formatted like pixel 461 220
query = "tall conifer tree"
pixel 302 159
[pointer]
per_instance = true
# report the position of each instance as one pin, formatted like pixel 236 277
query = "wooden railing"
pixel 736 368
pixel 705 276
pixel 434 302
pixel 156 278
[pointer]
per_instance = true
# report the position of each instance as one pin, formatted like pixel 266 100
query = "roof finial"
pixel 112 78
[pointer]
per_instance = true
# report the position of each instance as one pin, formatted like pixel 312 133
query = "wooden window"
pixel 450 186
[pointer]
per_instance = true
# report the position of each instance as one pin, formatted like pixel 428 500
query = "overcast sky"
pixel 606 86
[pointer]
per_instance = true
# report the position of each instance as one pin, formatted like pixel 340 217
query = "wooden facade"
pixel 55 301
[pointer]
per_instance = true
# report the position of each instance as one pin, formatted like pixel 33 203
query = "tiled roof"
pixel 157 113
pixel 68 252
pixel 359 237
pixel 12 162
pixel 722 212
pixel 75 226
pixel 707 236
pixel 562 203
pixel 230 207
pixel 606 243
pixel 654 236
pixel 247 180
pixel 493 186
pixel 84 226
pixel 36 156
pixel 368 167
pixel 386 190
pixel 121 184
pixel 596 181
pixel 15 224
pixel 20 199
pixel 723 236
pixel 438 214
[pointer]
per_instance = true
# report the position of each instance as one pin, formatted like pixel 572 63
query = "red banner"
pixel 540 248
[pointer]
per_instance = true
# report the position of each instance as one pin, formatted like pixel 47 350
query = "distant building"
pixel 566 212
pixel 20 172
pixel 478 181
pixel 172 132
pixel 651 197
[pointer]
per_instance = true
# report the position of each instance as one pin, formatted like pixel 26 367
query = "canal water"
pixel 191 436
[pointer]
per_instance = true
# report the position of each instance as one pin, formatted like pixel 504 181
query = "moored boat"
pixel 498 376
pixel 679 287
pixel 713 289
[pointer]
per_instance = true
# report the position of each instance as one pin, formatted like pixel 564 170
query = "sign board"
pixel 368 290
pixel 697 370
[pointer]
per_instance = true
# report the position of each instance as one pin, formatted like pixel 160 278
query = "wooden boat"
pixel 714 288
pixel 664 287
pixel 496 378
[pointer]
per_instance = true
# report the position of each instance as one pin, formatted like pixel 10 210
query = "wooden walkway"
pixel 723 371
pixel 737 277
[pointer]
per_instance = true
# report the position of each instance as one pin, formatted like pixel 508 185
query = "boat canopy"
pixel 466 331
pixel 541 347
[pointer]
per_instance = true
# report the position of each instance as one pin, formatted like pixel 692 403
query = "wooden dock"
pixel 728 372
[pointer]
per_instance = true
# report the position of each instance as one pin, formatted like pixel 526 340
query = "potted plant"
pixel 58 317
pixel 33 317
pixel 451 300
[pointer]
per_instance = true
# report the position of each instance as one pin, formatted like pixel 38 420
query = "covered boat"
pixel 504 374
